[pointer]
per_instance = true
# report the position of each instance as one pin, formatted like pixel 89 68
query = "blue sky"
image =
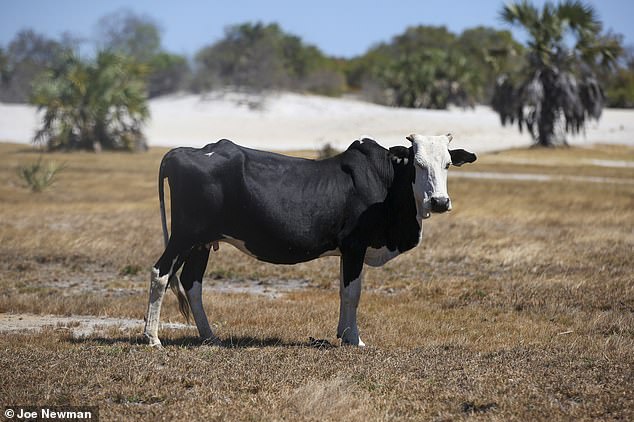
pixel 342 27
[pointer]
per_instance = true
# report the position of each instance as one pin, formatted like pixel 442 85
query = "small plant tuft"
pixel 39 175
pixel 130 269
pixel 327 151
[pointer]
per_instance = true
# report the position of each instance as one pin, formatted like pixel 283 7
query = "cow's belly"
pixel 287 234
pixel 280 252
pixel 374 257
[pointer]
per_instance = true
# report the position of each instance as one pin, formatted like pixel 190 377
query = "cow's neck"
pixel 405 222
pixel 420 216
pixel 422 206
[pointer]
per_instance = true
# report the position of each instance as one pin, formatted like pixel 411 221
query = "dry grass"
pixel 519 305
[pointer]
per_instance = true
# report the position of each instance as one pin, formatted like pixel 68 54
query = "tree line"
pixel 426 66
pixel 423 67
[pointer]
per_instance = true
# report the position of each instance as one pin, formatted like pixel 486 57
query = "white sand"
pixel 288 121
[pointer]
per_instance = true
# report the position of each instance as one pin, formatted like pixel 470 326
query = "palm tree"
pixel 92 105
pixel 557 89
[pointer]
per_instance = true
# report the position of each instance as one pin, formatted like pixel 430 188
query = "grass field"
pixel 518 305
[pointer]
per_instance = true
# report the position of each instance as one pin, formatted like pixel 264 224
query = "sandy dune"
pixel 286 121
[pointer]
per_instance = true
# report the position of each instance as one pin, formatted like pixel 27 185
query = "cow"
pixel 365 205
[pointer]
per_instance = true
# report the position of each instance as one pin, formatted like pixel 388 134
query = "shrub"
pixel 93 105
pixel 39 175
pixel 327 151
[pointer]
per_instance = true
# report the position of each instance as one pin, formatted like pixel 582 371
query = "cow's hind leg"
pixel 192 278
pixel 165 267
pixel 351 275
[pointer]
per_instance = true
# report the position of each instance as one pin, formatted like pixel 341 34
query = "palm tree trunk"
pixel 546 129
pixel 548 116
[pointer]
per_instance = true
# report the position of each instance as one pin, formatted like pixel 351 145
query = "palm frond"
pixel 521 13
pixel 592 97
pixel 579 16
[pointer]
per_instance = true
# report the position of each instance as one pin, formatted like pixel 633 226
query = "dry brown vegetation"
pixel 519 304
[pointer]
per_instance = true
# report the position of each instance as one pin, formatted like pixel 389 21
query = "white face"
pixel 431 161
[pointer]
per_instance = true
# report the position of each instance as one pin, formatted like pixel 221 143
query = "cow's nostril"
pixel 440 204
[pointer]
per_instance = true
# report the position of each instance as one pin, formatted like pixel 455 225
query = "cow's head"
pixel 432 158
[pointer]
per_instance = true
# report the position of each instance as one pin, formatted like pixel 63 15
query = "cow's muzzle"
pixel 440 204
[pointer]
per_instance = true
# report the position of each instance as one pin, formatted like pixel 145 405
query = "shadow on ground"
pixel 193 341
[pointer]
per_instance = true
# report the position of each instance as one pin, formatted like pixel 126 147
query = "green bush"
pixel 430 67
pixel 93 105
pixel 257 56
pixel 620 89
pixel 39 175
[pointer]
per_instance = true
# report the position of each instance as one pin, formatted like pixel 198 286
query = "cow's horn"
pixel 410 137
pixel 450 136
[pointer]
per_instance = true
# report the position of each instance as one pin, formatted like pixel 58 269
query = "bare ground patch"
pixel 77 325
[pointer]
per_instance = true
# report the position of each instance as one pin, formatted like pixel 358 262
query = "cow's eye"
pixel 447 166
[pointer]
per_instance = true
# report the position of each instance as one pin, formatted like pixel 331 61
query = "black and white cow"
pixel 365 205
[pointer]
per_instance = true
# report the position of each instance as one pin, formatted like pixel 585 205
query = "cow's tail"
pixel 183 303
pixel 174 282
pixel 161 192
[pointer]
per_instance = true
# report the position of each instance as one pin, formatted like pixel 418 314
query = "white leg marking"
pixel 157 291
pixel 349 297
pixel 194 295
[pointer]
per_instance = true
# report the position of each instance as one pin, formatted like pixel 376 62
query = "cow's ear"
pixel 460 157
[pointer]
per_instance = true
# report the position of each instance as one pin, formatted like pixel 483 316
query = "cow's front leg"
pixel 351 275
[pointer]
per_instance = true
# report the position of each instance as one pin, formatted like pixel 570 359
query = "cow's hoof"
pixel 211 341
pixel 347 342
pixel 153 341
